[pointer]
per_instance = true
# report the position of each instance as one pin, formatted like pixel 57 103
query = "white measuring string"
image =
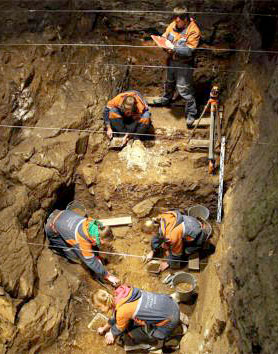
pixel 86 130
pixel 210 13
pixel 103 252
pixel 101 45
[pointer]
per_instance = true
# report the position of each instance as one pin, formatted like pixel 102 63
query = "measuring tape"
pixel 221 180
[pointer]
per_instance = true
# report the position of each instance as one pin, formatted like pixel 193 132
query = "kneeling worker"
pixel 141 319
pixel 179 236
pixel 127 113
pixel 76 237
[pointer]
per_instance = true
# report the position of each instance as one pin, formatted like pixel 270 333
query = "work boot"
pixel 162 101
pixel 129 348
pixel 190 122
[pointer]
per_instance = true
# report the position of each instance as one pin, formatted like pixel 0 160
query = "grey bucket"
pixel 77 207
pixel 188 278
pixel 198 211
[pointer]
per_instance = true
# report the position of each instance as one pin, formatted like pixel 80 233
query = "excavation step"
pixel 167 118
pixel 204 122
pixel 197 143
pixel 173 119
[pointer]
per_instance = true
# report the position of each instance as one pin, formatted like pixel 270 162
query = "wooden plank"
pixel 123 220
pixel 194 262
pixel 199 143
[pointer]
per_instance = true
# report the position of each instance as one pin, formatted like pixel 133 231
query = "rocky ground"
pixel 42 297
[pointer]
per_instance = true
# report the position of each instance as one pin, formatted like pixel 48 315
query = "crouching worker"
pixel 178 236
pixel 141 319
pixel 127 113
pixel 77 238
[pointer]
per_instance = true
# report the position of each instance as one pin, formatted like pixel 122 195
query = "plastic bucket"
pixel 198 211
pixel 189 280
pixel 77 207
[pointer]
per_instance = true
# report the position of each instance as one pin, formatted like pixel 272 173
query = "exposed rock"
pixel 7 309
pixel 89 173
pixel 145 207
pixel 33 175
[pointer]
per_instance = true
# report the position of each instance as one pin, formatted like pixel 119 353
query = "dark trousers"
pixel 181 78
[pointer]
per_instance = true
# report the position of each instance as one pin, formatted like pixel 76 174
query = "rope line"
pixel 131 46
pixel 104 252
pixel 140 12
pixel 214 69
pixel 81 130
pixel 103 131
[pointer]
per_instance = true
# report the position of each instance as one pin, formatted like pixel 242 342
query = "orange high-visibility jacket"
pixel 143 307
pixel 179 230
pixel 189 37
pixel 142 108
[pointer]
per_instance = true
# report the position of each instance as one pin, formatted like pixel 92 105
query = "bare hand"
pixel 163 266
pixel 113 280
pixel 101 330
pixel 149 257
pixel 109 132
pixel 125 139
pixel 109 338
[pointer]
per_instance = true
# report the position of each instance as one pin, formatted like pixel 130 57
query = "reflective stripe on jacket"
pixel 190 36
pixel 185 41
pixel 73 228
pixel 146 309
pixel 113 109
pixel 178 229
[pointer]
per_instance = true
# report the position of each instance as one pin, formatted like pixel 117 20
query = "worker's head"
pixel 129 105
pixel 181 17
pixel 214 91
pixel 149 226
pixel 103 300
pixel 106 235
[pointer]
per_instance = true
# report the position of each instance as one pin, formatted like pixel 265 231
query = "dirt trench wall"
pixel 37 167
pixel 237 307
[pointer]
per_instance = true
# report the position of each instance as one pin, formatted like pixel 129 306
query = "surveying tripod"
pixel 213 102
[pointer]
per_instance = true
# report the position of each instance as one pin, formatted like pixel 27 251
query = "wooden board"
pixel 123 220
pixel 195 143
pixel 194 262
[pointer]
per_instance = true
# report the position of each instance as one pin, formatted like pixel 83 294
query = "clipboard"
pixel 162 42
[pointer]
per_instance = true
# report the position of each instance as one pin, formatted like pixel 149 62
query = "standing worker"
pixel 142 320
pixel 178 236
pixel 184 34
pixel 127 113
pixel 76 237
